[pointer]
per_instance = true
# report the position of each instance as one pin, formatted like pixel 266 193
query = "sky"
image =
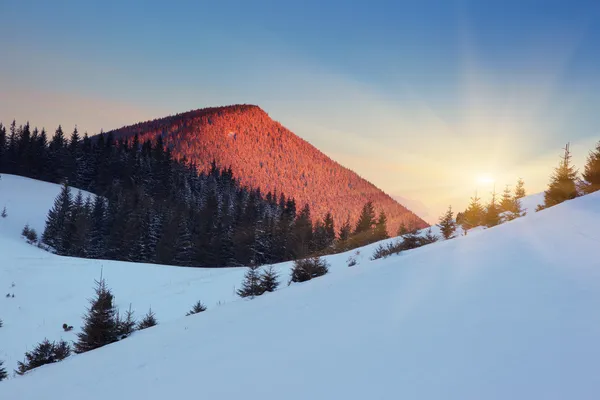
pixel 422 98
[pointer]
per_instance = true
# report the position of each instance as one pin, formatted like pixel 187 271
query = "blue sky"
pixel 419 97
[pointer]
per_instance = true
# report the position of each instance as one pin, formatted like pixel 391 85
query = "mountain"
pixel 505 312
pixel 262 153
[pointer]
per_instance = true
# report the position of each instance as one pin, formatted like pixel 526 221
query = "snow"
pixel 507 312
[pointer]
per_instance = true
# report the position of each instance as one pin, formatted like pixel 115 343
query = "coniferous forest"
pixel 148 207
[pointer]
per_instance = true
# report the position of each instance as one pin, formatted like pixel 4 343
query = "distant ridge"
pixel 263 153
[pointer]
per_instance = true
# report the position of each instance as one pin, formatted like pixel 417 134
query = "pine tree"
pixel 345 231
pixel 127 326
pixel 3 373
pixel 309 268
pixel 101 322
pixel 429 237
pixel 44 353
pixel 269 280
pixel 251 286
pixel 380 231
pixel 197 308
pixel 563 183
pixel 591 173
pixel 54 232
pixel 520 189
pixel 492 214
pixel 402 229
pixel 447 225
pixel 473 215
pixel 507 202
pixel 366 221
pixel 4 213
pixel 148 321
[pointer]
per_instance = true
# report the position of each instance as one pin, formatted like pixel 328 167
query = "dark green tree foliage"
pixel 366 221
pixel 563 183
pixel 303 234
pixel 251 286
pixel 148 321
pixel 44 353
pixel 197 308
pixel 126 326
pixel 474 214
pixel 429 237
pixel 309 268
pixel 55 233
pixel 269 280
pixel 101 323
pixel 380 231
pixel 3 373
pixel 344 235
pixel 447 225
pixel 492 212
pixel 591 173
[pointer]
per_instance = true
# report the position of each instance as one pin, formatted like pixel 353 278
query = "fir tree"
pixel 402 229
pixel 380 232
pixel 54 233
pixel 591 173
pixel 492 214
pixel 197 308
pixel 127 326
pixel 309 268
pixel 3 373
pixel 563 183
pixel 101 325
pixel 269 280
pixel 474 214
pixel 251 286
pixel 345 231
pixel 4 213
pixel 44 353
pixel 507 202
pixel 429 237
pixel 447 225
pixel 148 321
pixel 366 221
pixel 520 189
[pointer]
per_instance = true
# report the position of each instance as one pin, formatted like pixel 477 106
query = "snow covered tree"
pixel 57 217
pixel 473 215
pixel 269 280
pixel 591 173
pixel 309 268
pixel 197 308
pixel 447 225
pixel 563 183
pixel 101 325
pixel 3 373
pixel 44 353
pixel 380 231
pixel 251 286
pixel 520 189
pixel 148 321
pixel 429 237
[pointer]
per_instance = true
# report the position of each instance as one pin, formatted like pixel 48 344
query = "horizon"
pixel 421 101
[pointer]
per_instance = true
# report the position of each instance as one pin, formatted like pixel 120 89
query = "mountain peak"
pixel 263 154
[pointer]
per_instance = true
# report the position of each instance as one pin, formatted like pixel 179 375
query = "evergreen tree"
pixel 507 202
pixel 101 325
pixel 269 280
pixel 429 237
pixel 473 215
pixel 251 286
pixel 402 229
pixel 447 225
pixel 563 183
pixel 492 214
pixel 520 189
pixel 148 321
pixel 591 173
pixel 309 268
pixel 329 230
pixel 127 326
pixel 366 221
pixel 197 308
pixel 44 353
pixel 54 233
pixel 3 373
pixel 4 214
pixel 380 232
pixel 345 231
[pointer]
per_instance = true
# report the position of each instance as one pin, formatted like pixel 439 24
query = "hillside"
pixel 507 312
pixel 263 153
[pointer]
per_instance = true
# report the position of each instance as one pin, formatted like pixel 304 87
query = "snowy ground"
pixel 51 290
pixel 509 312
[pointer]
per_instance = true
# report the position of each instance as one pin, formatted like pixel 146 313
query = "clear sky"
pixel 419 97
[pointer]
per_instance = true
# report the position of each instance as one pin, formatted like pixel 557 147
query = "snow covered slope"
pixel 51 290
pixel 509 312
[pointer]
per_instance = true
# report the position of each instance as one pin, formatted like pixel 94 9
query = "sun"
pixel 485 179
